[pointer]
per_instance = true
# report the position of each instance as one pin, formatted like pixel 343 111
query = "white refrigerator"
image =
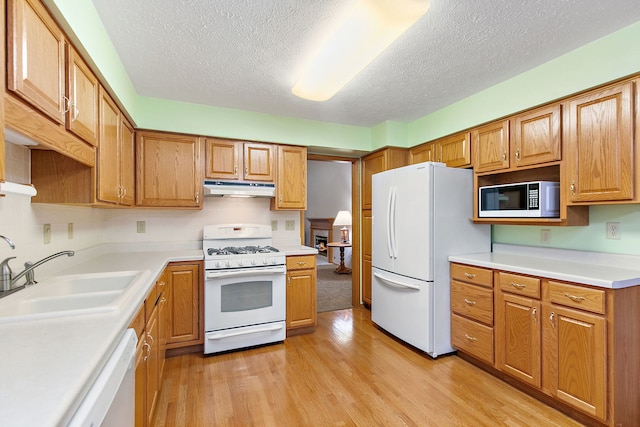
pixel 421 214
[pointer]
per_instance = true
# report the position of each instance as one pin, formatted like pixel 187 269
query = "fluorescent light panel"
pixel 366 30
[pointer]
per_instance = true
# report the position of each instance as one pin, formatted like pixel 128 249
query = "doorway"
pixel 326 186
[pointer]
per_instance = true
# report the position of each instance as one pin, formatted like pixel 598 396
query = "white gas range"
pixel 244 288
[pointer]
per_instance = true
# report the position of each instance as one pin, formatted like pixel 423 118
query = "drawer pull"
pixel 301 262
pixel 470 275
pixel 468 301
pixel 470 338
pixel 518 285
pixel 574 297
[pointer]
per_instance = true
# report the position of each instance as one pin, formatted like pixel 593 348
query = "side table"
pixel 341 268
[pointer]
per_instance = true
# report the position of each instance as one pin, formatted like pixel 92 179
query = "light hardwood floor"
pixel 347 373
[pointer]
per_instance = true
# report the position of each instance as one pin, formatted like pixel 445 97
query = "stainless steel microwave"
pixel 535 199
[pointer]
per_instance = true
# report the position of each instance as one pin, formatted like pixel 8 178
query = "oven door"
pixel 243 297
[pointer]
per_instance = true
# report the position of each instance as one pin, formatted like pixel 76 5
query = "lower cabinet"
pixel 185 288
pixel 575 343
pixel 302 276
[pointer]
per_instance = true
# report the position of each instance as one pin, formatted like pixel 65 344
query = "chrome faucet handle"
pixel 5 274
pixel 8 240
pixel 30 275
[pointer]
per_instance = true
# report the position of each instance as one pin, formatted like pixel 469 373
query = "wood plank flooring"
pixel 347 373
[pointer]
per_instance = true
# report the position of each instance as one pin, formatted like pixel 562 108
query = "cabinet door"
pixel 491 146
pixel 184 285
pixel 455 150
pixel 259 162
pixel 82 91
pixel 536 136
pixel 35 57
pixel 127 163
pixel 224 158
pixel 291 185
pixel 366 280
pixel 142 356
pixel 423 153
pixel 371 164
pixel 577 359
pixel 153 385
pixel 518 336
pixel 301 298
pixel 599 152
pixel 108 151
pixel 168 168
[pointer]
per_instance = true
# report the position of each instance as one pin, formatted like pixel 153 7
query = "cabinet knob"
pixel 552 319
pixel 572 187
pixel 533 313
pixel 235 170
pixel 518 154
pixel 504 156
pixel 197 197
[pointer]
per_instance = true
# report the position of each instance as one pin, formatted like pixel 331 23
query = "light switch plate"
pixel 47 233
pixel 274 225
pixel 289 225
pixel 141 226
pixel 70 230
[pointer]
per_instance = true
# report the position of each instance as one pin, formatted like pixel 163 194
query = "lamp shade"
pixel 342 218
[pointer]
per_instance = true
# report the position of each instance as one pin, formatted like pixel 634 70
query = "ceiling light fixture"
pixel 365 31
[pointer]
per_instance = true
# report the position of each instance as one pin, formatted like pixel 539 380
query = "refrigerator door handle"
pixel 389 204
pixel 392 221
pixel 396 283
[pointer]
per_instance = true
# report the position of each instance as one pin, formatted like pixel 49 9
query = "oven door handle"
pixel 245 272
pixel 223 335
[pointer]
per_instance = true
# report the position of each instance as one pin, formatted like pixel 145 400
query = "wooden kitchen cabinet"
pixel 491 146
pixel 366 256
pixel 302 277
pixel 518 331
pixel 600 161
pixel 575 343
pixel 472 311
pixel 239 160
pixel 184 287
pixel 379 161
pixel 36 58
pixel 169 170
pixel 291 182
pixel 453 150
pixel 83 90
pixel 115 174
pixel 536 136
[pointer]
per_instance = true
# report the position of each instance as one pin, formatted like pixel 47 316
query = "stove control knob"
pixel 239 263
pixel 264 261
pixel 217 264
pixel 273 261
pixel 228 264
pixel 253 261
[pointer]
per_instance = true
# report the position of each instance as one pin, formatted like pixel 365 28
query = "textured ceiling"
pixel 245 54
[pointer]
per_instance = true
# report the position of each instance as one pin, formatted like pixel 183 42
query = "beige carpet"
pixel 334 290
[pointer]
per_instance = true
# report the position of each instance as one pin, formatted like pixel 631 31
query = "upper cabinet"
pixel 453 150
pixel 82 91
pixel 291 185
pixel 536 136
pixel 239 160
pixel 378 161
pixel 491 146
pixel 600 149
pixel 36 57
pixel 168 170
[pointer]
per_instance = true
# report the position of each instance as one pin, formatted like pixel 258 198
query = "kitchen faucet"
pixel 7 280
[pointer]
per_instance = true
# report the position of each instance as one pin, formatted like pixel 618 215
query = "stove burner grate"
pixel 241 250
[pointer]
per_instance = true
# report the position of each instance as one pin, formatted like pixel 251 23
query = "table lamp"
pixel 343 218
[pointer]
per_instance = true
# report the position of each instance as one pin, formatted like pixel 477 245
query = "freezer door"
pixel 381 202
pixel 413 215
pixel 403 307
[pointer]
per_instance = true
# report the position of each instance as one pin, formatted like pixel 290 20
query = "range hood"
pixel 239 189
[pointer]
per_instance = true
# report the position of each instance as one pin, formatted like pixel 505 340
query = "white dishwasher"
pixel 110 400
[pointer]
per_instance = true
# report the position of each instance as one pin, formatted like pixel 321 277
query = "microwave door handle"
pixel 396 283
pixel 244 272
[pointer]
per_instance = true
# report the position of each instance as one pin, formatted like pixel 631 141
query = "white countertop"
pixel 590 268
pixel 48 365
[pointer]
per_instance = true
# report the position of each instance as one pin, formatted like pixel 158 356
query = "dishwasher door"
pixel 110 400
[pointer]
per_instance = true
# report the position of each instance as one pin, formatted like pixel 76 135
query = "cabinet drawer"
pixel 520 285
pixel 472 338
pixel 301 262
pixel 472 301
pixel 138 322
pixel 588 299
pixel 467 273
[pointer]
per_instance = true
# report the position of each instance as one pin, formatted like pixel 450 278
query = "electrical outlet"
pixel 141 226
pixel 545 236
pixel 289 225
pixel 47 233
pixel 274 225
pixel 613 231
pixel 70 230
